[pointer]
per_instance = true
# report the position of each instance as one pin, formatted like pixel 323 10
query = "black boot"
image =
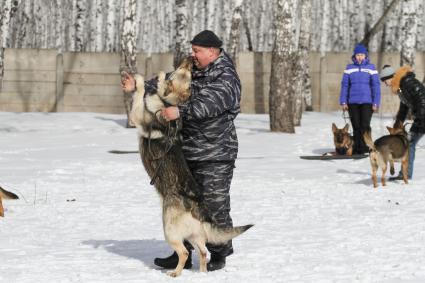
pixel 172 261
pixel 216 262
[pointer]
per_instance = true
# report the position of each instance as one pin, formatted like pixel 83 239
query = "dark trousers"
pixel 360 116
pixel 214 178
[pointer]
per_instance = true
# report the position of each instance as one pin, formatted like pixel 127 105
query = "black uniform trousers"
pixel 214 178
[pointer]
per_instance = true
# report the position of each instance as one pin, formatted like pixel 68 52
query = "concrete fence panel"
pixel 43 80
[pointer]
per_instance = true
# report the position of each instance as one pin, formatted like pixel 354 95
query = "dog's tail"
pixel 218 235
pixel 368 140
pixel 7 195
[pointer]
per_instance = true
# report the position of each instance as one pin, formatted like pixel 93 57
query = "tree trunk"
pixel 8 10
pixel 380 23
pixel 234 30
pixel 182 47
pixel 280 99
pixel 408 37
pixel 80 19
pixel 128 50
pixel 304 49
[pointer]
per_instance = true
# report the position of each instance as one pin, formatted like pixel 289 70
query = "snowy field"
pixel 86 215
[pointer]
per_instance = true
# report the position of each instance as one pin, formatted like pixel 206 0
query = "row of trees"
pixel 289 28
pixel 96 25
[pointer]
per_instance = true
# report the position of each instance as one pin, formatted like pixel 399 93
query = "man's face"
pixel 202 56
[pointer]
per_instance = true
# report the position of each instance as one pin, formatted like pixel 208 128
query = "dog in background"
pixel 183 215
pixel 5 195
pixel 387 149
pixel 342 140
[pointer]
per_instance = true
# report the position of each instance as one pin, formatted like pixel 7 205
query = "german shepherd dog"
pixel 342 140
pixel 183 215
pixel 389 148
pixel 5 195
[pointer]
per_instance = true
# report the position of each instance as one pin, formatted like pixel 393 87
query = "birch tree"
pixel 128 49
pixel 80 18
pixel 280 100
pixel 9 9
pixel 234 36
pixel 380 23
pixel 304 49
pixel 181 40
pixel 409 30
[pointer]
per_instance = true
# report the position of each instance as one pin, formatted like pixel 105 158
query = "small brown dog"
pixel 389 148
pixel 342 140
pixel 6 195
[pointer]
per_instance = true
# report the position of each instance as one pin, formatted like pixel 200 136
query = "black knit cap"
pixel 207 38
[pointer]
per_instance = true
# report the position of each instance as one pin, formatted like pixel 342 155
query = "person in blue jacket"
pixel 360 95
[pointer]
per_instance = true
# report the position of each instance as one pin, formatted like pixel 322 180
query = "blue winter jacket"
pixel 360 84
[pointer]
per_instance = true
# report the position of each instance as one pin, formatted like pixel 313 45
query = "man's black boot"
pixel 172 261
pixel 216 262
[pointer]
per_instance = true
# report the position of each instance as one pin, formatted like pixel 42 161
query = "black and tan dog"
pixel 5 195
pixel 343 141
pixel 387 149
pixel 160 149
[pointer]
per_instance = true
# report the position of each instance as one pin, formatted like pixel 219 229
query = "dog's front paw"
pixel 173 273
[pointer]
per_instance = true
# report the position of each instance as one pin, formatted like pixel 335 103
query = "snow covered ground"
pixel 86 215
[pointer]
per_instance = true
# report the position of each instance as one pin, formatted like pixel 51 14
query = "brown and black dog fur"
pixel 5 195
pixel 387 149
pixel 183 215
pixel 343 141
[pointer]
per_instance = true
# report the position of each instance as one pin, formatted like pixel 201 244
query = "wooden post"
pixel 59 104
pixel 323 81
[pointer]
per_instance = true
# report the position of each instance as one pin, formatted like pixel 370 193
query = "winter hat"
pixel 360 49
pixel 386 73
pixel 207 38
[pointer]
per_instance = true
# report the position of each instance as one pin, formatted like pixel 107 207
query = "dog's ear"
pixel 334 128
pixel 346 127
pixel 390 130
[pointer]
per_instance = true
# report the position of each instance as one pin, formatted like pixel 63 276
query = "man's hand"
pixel 170 113
pixel 344 107
pixel 375 108
pixel 128 83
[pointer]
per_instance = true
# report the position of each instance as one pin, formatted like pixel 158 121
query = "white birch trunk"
pixel 408 37
pixel 7 12
pixel 99 41
pixel 234 36
pixel 80 20
pixel 304 49
pixel 325 28
pixel 182 47
pixel 128 49
pixel 111 26
pixel 280 100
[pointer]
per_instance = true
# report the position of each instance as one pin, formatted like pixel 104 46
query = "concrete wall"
pixel 42 80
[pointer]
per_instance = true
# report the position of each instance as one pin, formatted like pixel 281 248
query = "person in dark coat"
pixel 412 97
pixel 210 143
pixel 360 95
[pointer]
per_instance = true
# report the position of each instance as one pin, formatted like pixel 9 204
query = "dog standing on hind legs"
pixel 387 149
pixel 183 214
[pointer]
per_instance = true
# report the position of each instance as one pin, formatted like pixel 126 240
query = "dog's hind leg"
pixel 199 244
pixel 384 171
pixel 404 169
pixel 183 255
pixel 1 208
pixel 392 167
pixel 374 169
